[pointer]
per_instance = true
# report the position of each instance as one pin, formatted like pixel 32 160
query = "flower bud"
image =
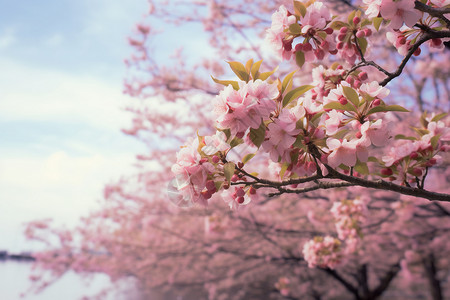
pixel 341 37
pixel 387 172
pixel 367 32
pixel 343 30
pixel 210 185
pixel 362 76
pixel 360 34
pixel 240 200
pixel 340 45
pixel 343 100
pixel 414 155
pixel 215 159
pixel 329 30
pixel 417 52
pixel 376 102
pixel 234 178
pixel 356 20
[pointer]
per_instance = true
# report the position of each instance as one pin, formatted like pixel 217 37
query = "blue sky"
pixel 61 74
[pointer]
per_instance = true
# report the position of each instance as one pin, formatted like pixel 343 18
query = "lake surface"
pixel 14 281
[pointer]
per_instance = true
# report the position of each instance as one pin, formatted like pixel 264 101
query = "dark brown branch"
pixel 433 11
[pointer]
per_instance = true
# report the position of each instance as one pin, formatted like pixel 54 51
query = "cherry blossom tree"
pixel 323 178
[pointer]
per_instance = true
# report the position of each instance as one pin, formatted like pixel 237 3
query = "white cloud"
pixel 7 38
pixel 35 94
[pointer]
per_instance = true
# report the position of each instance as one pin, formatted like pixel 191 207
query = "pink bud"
pixel 350 80
pixel 215 159
pixel 234 178
pixel 360 34
pixel 240 192
pixel 343 100
pixel 414 155
pixel 362 76
pixel 356 20
pixel 340 45
pixel 357 83
pixel 417 52
pixel 341 37
pixel 386 172
pixel 329 30
pixel 431 162
pixel 252 191
pixel 367 32
pixel 240 200
pixel 343 29
pixel 358 135
pixel 376 102
pixel 333 52
pixel 436 42
pixel 307 47
pixel 210 185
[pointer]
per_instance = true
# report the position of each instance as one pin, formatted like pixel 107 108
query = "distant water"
pixel 14 281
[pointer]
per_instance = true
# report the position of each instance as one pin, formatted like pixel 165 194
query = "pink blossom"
pixel 373 8
pixel 245 108
pixel 399 12
pixel 276 35
pixel 215 143
pixel 398 39
pixel 341 153
pixel 333 122
pixel 322 252
pixel 316 17
pixel 377 132
pixel 373 89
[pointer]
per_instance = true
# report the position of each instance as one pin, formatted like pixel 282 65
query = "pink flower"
pixel 215 143
pixel 398 39
pixel 316 17
pixel 399 12
pixel 245 108
pixel 373 89
pixel 373 8
pixel 333 122
pixel 341 153
pixel 323 252
pixel 276 35
pixel 377 132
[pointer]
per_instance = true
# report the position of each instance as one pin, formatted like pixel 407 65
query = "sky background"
pixel 61 74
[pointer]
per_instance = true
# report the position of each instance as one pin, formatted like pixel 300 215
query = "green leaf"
pixel 351 16
pixel 361 168
pixel 248 157
pixel 239 70
pixel 286 81
pixel 233 83
pixel 384 108
pixel 362 42
pixel 351 95
pixel 299 58
pixel 438 117
pixel 295 93
pixel 377 22
pixel 299 8
pixel 236 141
pixel 339 106
pixel 255 69
pixel 257 135
pixel 283 170
pixel 265 75
pixel 404 137
pixel 218 184
pixel 248 65
pixel 336 25
pixel 435 140
pixel 228 170
pixel 295 28
pixel 373 159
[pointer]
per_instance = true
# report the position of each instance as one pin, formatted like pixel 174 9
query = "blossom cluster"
pixel 324 252
pixel 349 216
pixel 310 33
